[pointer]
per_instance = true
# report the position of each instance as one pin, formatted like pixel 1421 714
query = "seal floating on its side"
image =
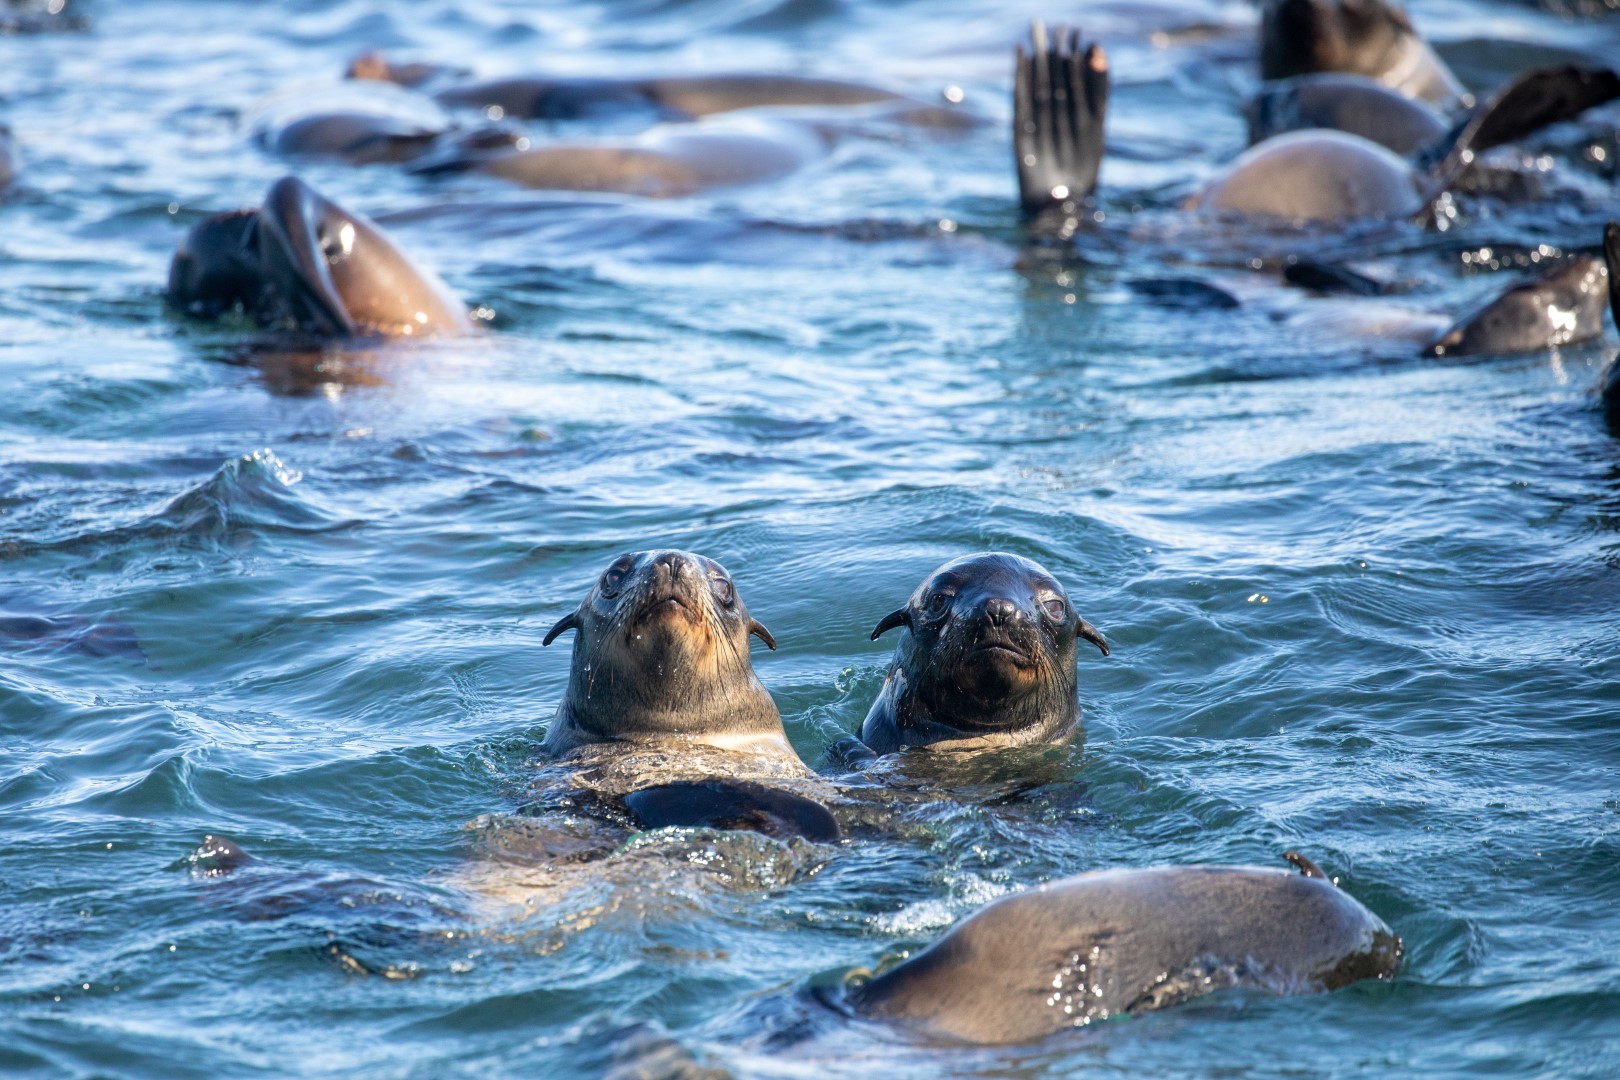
pixel 987 659
pixel 302 262
pixel 1128 941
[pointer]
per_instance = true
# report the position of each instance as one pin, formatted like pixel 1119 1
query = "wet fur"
pixel 939 692
pixel 639 674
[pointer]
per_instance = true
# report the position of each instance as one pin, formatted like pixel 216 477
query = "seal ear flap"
pixel 759 631
pixel 897 617
pixel 1091 634
pixel 568 622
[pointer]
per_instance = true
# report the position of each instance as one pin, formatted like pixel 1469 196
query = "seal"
pixel 356 136
pixel 1114 942
pixel 302 262
pixel 686 97
pixel 661 652
pixel 666 162
pixel 1561 307
pixel 1357 37
pixel 1060 102
pixel 987 659
pixel 686 151
pixel 663 712
pixel 1351 103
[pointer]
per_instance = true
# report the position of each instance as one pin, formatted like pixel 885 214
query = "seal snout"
pixel 671 587
pixel 1001 632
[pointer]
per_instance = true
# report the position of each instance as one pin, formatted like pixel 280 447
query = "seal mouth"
pixel 664 604
pixel 1000 647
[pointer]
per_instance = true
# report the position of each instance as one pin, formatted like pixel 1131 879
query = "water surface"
pixel 1360 604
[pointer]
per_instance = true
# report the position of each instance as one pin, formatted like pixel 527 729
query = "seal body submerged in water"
pixel 676 157
pixel 987 658
pixel 1109 942
pixel 302 262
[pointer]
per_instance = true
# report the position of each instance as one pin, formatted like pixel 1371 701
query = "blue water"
pixel 1360 604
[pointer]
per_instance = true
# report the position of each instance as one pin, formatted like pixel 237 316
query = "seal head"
pixel 661 651
pixel 987 659
pixel 1359 37
pixel 1562 307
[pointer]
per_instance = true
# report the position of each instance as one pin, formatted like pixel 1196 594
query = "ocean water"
pixel 1361 604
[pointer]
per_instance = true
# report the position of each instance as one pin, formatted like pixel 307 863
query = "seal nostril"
pixel 999 610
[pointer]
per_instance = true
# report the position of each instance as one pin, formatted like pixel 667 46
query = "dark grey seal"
pixel 302 262
pixel 986 658
pixel 1115 942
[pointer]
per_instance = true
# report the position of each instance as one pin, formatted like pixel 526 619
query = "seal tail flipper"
pixel 1534 100
pixel 1060 99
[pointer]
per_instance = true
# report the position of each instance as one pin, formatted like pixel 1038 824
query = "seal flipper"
pixel 732 804
pixel 1060 100
pixel 1534 100
pixel 1304 865
pixel 1326 277
pixel 851 753
pixel 1188 293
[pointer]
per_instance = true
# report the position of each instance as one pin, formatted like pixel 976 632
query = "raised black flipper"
pixel 1060 100
pixel 732 804
pixel 1534 100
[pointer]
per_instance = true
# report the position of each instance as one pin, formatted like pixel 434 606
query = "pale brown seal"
pixel 302 262
pixel 1114 942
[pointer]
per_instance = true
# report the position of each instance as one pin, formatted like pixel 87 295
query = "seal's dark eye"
pixel 723 590
pixel 613 580
pixel 939 602
pixel 1055 609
